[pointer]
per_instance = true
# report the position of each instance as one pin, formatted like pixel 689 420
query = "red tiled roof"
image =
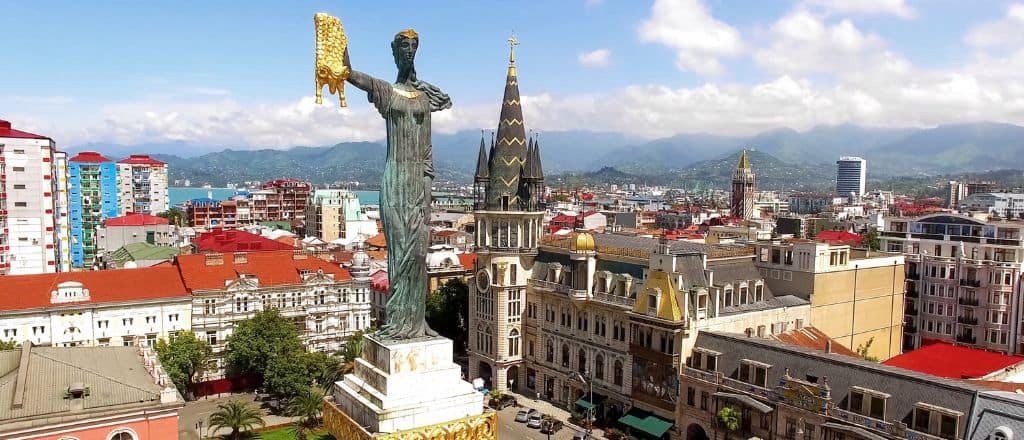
pixel 468 260
pixel 141 159
pixel 379 281
pixel 271 268
pixel 231 240
pixel 7 132
pixel 838 236
pixel 119 285
pixel 135 219
pixel 90 157
pixel 562 218
pixel 811 337
pixel 943 359
pixel 377 241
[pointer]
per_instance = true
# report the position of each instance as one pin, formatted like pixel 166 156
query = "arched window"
pixel 599 367
pixel 551 352
pixel 727 296
pixel 582 365
pixel 1001 433
pixel 122 434
pixel 513 343
pixel 565 355
pixel 617 375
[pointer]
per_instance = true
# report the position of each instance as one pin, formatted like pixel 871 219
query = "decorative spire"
pixel 744 162
pixel 535 161
pixel 482 171
pixel 510 151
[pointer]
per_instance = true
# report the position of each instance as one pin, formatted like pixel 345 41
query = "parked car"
pixel 503 401
pixel 551 426
pixel 534 421
pixel 534 412
pixel 581 435
pixel 522 416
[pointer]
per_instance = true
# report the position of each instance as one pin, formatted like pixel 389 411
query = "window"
pixel 690 395
pixel 529 348
pixel 211 338
pixel 947 426
pixel 122 435
pixel 652 303
pixel 599 367
pixel 19 186
pixel 754 373
pixel 513 343
pixel 704 400
pixel 759 292
pixel 103 324
pixel 10 333
pixel 565 355
pixel 210 306
pixel 18 169
pixel 41 330
pixel 617 373
pixel 20 204
pixel 581 366
pixel 550 352
pixel 127 321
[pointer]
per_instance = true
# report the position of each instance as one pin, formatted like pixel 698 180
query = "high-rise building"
pixel 851 176
pixel 333 214
pixel 509 217
pixel 742 203
pixel 281 199
pixel 963 279
pixel 28 206
pixel 93 198
pixel 955 192
pixel 62 211
pixel 142 185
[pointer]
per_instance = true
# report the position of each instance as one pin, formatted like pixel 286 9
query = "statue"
pixel 405 187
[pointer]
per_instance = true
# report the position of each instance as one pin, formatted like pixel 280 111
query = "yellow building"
pixel 856 298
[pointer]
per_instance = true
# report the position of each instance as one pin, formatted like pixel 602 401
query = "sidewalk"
pixel 532 402
pixel 200 410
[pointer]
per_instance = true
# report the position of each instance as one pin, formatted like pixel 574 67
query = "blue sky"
pixel 240 73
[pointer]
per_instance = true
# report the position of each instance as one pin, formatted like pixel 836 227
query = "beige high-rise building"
pixel 856 298
pixel 335 214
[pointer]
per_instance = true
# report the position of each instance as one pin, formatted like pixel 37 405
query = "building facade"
pixel 509 215
pixel 856 298
pixel 61 211
pixel 206 212
pixel 93 198
pixel 335 214
pixel 1005 205
pixel 142 185
pixel 327 303
pixel 963 278
pixel 851 176
pixel 741 204
pixel 783 391
pixel 94 308
pixel 29 222
pixel 281 199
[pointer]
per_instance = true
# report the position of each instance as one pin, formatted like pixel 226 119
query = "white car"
pixel 580 435
pixel 534 421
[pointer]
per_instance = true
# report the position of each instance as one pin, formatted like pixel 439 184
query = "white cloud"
pixel 802 42
pixel 1003 32
pixel 597 58
pixel 697 37
pixel 891 7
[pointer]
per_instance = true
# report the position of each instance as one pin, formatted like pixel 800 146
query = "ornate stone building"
pixel 509 190
pixel 742 202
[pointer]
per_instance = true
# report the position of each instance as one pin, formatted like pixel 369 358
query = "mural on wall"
pixel 655 383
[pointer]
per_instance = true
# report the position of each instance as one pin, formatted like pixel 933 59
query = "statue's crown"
pixel 408 33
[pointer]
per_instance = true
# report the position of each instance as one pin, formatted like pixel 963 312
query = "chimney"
pixel 214 259
pixel 241 258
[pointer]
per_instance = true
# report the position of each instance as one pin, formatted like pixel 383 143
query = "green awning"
pixel 646 422
pixel 585 401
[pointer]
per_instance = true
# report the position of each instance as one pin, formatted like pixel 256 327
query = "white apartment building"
pixel 963 279
pixel 94 308
pixel 335 215
pixel 28 228
pixel 61 210
pixel 851 176
pixel 142 185
pixel 1004 205
pixel 329 303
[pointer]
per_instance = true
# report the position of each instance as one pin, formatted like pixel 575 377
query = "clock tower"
pixel 509 214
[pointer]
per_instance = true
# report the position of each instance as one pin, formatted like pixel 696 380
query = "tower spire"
pixel 482 171
pixel 744 162
pixel 510 150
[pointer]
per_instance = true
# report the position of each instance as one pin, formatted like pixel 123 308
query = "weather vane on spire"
pixel 512 42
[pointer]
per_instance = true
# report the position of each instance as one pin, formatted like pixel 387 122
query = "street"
pixel 509 429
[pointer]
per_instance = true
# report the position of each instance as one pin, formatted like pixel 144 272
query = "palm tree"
pixel 236 415
pixel 307 407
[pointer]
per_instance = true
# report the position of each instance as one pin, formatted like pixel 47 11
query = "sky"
pixel 240 74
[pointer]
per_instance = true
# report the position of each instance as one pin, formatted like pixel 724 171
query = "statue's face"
pixel 405 52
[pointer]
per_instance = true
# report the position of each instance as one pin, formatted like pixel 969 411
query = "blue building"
pixel 92 195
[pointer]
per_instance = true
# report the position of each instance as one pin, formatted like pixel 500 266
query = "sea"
pixel 179 195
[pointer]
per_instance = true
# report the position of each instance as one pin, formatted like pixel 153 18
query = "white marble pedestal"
pixel 404 385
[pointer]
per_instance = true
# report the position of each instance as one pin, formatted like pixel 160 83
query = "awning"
pixel 853 430
pixel 646 422
pixel 585 402
pixel 746 400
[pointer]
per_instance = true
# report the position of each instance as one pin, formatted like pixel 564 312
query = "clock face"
pixel 483 281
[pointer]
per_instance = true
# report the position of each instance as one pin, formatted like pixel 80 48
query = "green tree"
pixel 730 418
pixel 323 368
pixel 871 240
pixel 263 340
pixel 307 407
pixel 863 349
pixel 353 348
pixel 447 312
pixel 8 345
pixel 184 357
pixel 174 216
pixel 287 378
pixel 237 416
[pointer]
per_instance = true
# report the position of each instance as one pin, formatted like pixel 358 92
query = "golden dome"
pixel 582 242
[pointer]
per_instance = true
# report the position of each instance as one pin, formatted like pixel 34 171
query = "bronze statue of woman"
pixel 405 188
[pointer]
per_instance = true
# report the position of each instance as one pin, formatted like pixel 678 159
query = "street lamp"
pixel 590 410
pixel 199 428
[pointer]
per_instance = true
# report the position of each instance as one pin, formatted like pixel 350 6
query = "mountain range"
pixel 784 154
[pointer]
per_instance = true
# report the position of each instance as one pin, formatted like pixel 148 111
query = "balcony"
pixel 615 299
pixel 560 288
pixel 912 293
pixel 874 424
pixel 969 282
pixel 965 301
pixel 966 339
pixel 968 320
